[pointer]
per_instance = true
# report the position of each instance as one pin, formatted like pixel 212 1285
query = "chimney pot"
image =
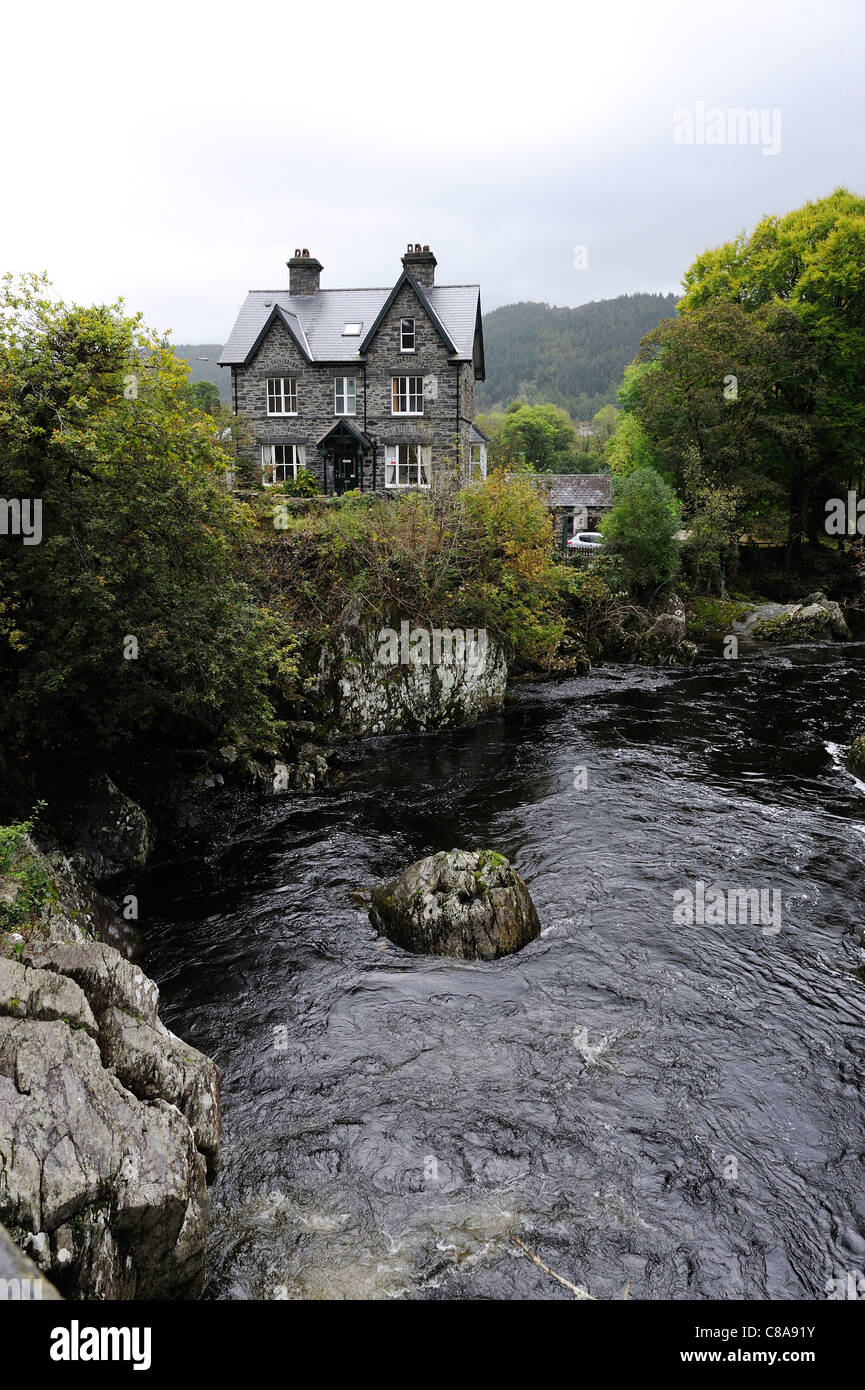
pixel 421 262
pixel 303 273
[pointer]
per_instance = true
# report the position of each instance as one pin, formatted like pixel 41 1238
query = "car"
pixel 586 540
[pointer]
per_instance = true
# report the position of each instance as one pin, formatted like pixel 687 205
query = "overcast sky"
pixel 177 153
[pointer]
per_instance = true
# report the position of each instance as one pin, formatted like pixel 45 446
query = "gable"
pixel 407 279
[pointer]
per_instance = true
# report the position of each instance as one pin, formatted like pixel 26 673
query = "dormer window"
pixel 406 335
pixel 352 330
pixel 281 395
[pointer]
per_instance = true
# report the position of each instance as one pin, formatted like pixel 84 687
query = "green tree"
pixel 641 529
pixel 542 436
pixel 629 448
pixel 135 624
pixel 809 261
pixel 204 396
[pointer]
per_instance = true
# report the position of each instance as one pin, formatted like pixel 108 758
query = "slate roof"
pixel 317 320
pixel 476 435
pixel 580 489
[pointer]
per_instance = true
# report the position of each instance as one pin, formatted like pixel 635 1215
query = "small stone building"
pixel 371 389
pixel 578 502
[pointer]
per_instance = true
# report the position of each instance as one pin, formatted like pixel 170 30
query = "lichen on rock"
pixel 464 903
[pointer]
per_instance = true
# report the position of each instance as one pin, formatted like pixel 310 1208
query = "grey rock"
pixel 26 992
pixel 816 619
pixel 111 832
pixel 469 904
pixel 20 1279
pixel 121 1178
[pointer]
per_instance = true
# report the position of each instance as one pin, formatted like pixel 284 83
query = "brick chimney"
pixel 420 262
pixel 303 273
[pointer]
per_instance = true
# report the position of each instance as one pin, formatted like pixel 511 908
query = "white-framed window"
pixel 281 395
pixel 352 330
pixel 407 395
pixel 407 341
pixel 407 465
pixel 280 462
pixel 344 395
pixel 477 461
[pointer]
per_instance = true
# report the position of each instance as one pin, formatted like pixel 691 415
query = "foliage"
pixel 540 437
pixel 28 871
pixel 483 558
pixel 304 485
pixel 801 276
pixel 204 396
pixel 641 529
pixel 629 447
pixel 136 620
pixel 710 550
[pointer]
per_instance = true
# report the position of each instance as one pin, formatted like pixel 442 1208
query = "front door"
pixel 345 470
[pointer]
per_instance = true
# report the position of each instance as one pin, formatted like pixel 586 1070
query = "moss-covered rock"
pixel 464 903
pixel 856 757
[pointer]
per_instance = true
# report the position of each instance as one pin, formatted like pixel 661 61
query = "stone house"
pixel 371 389
pixel 578 502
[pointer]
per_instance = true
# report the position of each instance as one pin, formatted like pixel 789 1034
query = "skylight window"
pixel 352 330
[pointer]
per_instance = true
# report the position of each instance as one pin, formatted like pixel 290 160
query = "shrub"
pixel 641 529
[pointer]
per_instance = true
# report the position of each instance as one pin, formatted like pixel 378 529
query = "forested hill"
pixel 572 357
pixel 203 360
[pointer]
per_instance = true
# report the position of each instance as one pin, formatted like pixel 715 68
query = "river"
pixel 666 1110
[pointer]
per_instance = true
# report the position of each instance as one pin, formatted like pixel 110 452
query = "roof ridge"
pixel 359 289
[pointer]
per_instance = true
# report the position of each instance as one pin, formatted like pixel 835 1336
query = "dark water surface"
pixel 675 1108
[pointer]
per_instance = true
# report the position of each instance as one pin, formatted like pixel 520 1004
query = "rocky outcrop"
pixel 647 638
pixel 469 904
pixel 374 679
pixel 816 619
pixel 111 832
pixel 109 1123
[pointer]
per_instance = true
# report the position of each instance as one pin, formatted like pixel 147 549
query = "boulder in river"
pixel 816 619
pixel 465 903
pixel 856 757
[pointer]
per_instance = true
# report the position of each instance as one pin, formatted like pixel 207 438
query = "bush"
pixel 304 485
pixel 35 887
pixel 480 558
pixel 641 529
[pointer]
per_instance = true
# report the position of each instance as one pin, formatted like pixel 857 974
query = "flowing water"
pixel 675 1108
